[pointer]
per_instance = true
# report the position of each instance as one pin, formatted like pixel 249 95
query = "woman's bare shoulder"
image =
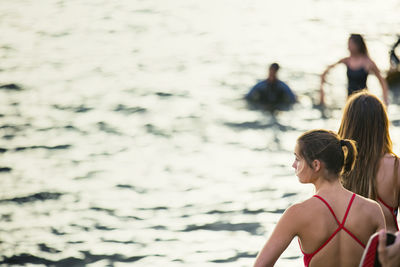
pixel 368 205
pixel 305 208
pixel 388 161
pixel 370 64
pixel 344 60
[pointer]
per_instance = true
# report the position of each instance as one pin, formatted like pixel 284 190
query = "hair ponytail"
pixel 327 147
pixel 350 154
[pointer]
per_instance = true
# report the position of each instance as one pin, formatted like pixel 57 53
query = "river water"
pixel 125 139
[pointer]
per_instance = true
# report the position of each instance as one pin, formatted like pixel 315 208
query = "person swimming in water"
pixel 334 225
pixel 359 65
pixel 272 92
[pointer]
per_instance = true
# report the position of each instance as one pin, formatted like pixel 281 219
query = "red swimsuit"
pixel 309 256
pixel 392 210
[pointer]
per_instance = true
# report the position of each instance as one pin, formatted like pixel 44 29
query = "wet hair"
pixel 274 66
pixel 337 154
pixel 365 120
pixel 358 40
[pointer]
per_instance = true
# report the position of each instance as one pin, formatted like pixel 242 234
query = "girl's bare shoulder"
pixel 306 207
pixel 388 162
pixel 367 205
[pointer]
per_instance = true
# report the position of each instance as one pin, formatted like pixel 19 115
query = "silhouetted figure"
pixel 272 93
pixel 393 75
pixel 394 59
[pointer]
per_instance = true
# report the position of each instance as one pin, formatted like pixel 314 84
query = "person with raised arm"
pixel 359 65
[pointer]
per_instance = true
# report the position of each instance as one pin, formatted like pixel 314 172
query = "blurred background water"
pixel 124 136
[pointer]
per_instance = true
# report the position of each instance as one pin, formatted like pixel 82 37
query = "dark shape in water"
pixel 249 125
pixel 253 228
pixel 42 196
pixel 155 208
pixel 11 86
pixel 154 130
pixel 258 126
pixel 288 195
pixel 5 169
pixel 219 211
pixel 127 242
pixel 278 211
pixel 247 211
pixel 56 231
pixel 395 122
pixel 25 258
pixel 13 127
pixel 272 108
pixel 42 147
pixel 134 188
pixel 393 75
pixel 236 257
pixel 108 211
pixel 88 175
pixel 103 227
pixel 107 128
pixel 324 111
pixel 129 110
pixel 77 109
pixel 6 218
pixel 8 136
pixel 43 247
pixel 89 257
pixel 162 94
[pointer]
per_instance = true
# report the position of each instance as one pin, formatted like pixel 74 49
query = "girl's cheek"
pixel 299 167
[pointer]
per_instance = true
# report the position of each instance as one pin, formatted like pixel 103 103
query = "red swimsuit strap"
pixel 329 207
pixel 340 224
pixel 309 256
pixel 386 205
pixel 392 211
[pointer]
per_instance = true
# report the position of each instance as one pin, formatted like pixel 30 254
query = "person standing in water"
pixel 359 65
pixel 335 224
pixel 272 92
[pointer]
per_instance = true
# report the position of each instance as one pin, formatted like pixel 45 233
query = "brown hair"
pixel 327 147
pixel 365 120
pixel 358 40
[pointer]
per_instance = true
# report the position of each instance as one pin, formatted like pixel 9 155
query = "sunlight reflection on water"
pixel 129 141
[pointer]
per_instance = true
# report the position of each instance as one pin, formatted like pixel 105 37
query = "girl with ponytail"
pixel 334 225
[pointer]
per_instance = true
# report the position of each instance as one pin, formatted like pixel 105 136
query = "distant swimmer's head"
pixel 356 45
pixel 321 153
pixel 273 72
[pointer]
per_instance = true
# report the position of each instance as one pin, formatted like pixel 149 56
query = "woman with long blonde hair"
pixel 376 174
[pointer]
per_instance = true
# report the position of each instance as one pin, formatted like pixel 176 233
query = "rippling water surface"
pixel 124 136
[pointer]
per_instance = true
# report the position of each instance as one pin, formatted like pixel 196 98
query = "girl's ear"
pixel 316 165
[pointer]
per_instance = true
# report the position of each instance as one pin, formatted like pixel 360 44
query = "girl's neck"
pixel 325 185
